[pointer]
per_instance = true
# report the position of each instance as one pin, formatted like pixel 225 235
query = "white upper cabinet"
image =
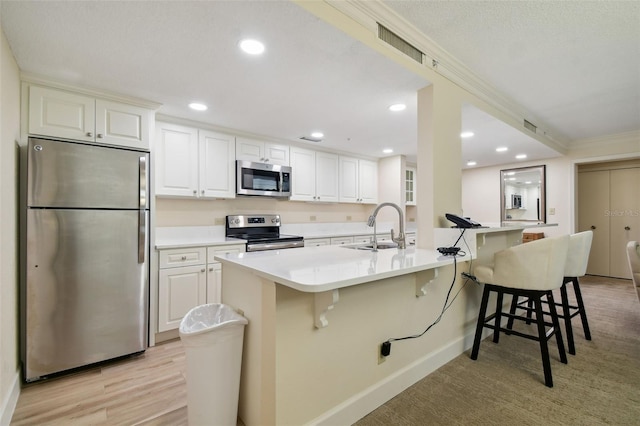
pixel 358 181
pixel 194 163
pixel 68 115
pixel 217 165
pixel 314 175
pixel 410 186
pixel 262 152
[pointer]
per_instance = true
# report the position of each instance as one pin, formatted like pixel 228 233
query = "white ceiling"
pixel 577 69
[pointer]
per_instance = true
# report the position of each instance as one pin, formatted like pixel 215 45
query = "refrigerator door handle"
pixel 142 235
pixel 143 182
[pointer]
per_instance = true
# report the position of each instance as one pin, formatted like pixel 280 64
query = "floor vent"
pixel 530 126
pixel 394 40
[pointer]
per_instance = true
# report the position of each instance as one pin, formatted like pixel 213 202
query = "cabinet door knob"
pixel 593 227
pixel 195 192
pixel 99 135
pixel 184 257
pixel 211 269
pixel 626 228
pixel 202 192
pixel 202 270
pixel 89 134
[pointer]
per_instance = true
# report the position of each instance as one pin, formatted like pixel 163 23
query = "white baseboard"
pixel 10 401
pixel 373 397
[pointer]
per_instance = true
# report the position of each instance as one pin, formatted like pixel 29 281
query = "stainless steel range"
pixel 262 232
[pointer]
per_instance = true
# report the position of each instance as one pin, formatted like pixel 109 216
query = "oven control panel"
pixel 251 221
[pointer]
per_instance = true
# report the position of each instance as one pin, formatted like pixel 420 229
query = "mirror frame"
pixel 542 207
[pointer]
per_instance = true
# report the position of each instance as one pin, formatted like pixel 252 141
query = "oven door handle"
pixel 274 246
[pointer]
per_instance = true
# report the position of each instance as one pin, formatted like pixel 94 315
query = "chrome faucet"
pixel 400 240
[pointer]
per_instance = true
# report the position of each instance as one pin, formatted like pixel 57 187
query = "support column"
pixel 439 177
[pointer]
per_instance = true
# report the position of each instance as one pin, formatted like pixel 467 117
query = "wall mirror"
pixel 522 195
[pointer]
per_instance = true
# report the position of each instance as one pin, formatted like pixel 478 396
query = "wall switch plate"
pixel 348 217
pixel 218 221
pixel 312 218
pixel 552 211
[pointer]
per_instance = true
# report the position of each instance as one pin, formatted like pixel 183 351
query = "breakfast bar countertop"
pixel 325 268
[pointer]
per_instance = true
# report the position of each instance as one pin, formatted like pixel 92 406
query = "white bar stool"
pixel 530 270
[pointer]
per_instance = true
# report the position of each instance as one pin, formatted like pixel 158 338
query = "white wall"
pixel 9 137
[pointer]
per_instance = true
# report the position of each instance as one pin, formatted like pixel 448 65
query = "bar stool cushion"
pixel 537 265
pixel 578 255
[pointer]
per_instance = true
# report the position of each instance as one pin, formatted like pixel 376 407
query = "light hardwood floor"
pixel 148 389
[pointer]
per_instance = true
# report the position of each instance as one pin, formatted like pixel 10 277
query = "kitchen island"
pixel 318 315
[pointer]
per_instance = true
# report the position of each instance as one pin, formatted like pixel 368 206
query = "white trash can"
pixel 212 336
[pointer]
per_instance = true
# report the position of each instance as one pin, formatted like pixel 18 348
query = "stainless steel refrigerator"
pixel 85 296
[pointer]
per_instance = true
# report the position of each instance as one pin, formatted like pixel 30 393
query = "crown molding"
pixel 371 12
pixel 608 140
pixel 45 81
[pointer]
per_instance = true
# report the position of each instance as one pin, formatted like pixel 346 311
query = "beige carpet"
pixel 505 386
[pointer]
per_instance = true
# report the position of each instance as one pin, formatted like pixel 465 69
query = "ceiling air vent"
pixel 530 126
pixel 310 139
pixel 394 40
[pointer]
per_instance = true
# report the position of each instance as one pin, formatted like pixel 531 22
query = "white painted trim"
pixel 361 404
pixel 10 401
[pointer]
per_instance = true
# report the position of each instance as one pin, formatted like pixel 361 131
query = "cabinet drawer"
pixel 341 240
pixel 316 242
pixel 174 258
pixel 363 239
pixel 222 250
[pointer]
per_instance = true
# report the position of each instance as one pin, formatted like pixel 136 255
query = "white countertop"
pixel 319 269
pixel 192 236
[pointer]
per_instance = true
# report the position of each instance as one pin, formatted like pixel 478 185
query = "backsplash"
pixel 187 212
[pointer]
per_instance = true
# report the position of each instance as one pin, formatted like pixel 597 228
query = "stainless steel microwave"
pixel 271 180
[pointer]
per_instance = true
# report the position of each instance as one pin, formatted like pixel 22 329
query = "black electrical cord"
pixel 386 346
pixel 444 309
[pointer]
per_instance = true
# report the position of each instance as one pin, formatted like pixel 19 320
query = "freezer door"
pixel 86 292
pixel 68 174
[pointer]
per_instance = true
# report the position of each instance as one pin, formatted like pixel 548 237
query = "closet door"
pixel 593 203
pixel 624 216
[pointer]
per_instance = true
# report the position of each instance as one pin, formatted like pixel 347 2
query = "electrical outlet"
pixel 348 217
pixel 552 211
pixel 312 218
pixel 218 221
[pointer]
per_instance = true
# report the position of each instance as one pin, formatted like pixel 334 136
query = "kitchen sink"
pixel 381 246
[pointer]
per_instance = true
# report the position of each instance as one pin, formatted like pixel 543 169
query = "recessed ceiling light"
pixel 528 182
pixel 387 150
pixel 502 149
pixel 317 135
pixel 471 163
pixel 198 106
pixel 466 134
pixel 521 156
pixel 397 107
pixel 252 47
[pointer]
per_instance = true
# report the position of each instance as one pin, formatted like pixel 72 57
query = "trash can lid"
pixel 208 317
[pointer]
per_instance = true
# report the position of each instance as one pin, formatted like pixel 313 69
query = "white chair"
pixel 633 254
pixel 530 270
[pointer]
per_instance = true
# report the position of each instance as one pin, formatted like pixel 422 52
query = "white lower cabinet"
pixel 336 241
pixel 316 242
pixel 187 278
